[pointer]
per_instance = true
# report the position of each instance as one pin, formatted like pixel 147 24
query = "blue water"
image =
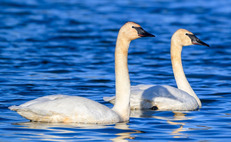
pixel 67 47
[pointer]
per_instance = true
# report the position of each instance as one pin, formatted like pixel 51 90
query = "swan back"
pixel 164 97
pixel 63 108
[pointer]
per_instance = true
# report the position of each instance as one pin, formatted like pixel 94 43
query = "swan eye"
pixel 190 35
pixel 133 27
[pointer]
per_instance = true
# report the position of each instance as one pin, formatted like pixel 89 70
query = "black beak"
pixel 142 33
pixel 196 40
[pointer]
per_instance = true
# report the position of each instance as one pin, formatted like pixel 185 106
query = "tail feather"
pixel 36 114
pixel 14 108
pixel 109 99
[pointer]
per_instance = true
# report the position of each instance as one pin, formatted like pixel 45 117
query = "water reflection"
pixel 177 132
pixel 176 119
pixel 125 135
pixel 64 131
pixel 48 126
pixel 53 131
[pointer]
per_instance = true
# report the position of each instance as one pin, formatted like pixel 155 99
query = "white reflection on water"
pixel 55 131
pixel 178 116
pixel 49 126
pixel 126 135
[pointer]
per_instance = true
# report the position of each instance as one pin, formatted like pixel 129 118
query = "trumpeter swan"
pixel 163 97
pixel 63 108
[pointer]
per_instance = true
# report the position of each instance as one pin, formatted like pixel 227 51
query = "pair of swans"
pixel 164 97
pixel 63 108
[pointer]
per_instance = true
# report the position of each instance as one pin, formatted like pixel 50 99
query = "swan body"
pixel 163 97
pixel 63 108
pixel 159 97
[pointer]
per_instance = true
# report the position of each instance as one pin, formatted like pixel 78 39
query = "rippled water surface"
pixel 67 47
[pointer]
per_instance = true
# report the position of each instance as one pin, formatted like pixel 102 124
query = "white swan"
pixel 166 97
pixel 63 108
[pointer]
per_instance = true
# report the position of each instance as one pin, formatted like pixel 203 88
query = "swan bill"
pixel 142 33
pixel 195 40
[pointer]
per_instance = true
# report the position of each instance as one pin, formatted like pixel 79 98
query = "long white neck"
pixel 181 80
pixel 122 101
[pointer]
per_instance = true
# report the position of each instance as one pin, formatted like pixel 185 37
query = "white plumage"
pixel 163 97
pixel 63 108
pixel 160 97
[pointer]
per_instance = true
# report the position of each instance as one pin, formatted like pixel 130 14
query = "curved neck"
pixel 181 80
pixel 122 101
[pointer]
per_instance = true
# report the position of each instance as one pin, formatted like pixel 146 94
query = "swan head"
pixel 132 31
pixel 186 38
